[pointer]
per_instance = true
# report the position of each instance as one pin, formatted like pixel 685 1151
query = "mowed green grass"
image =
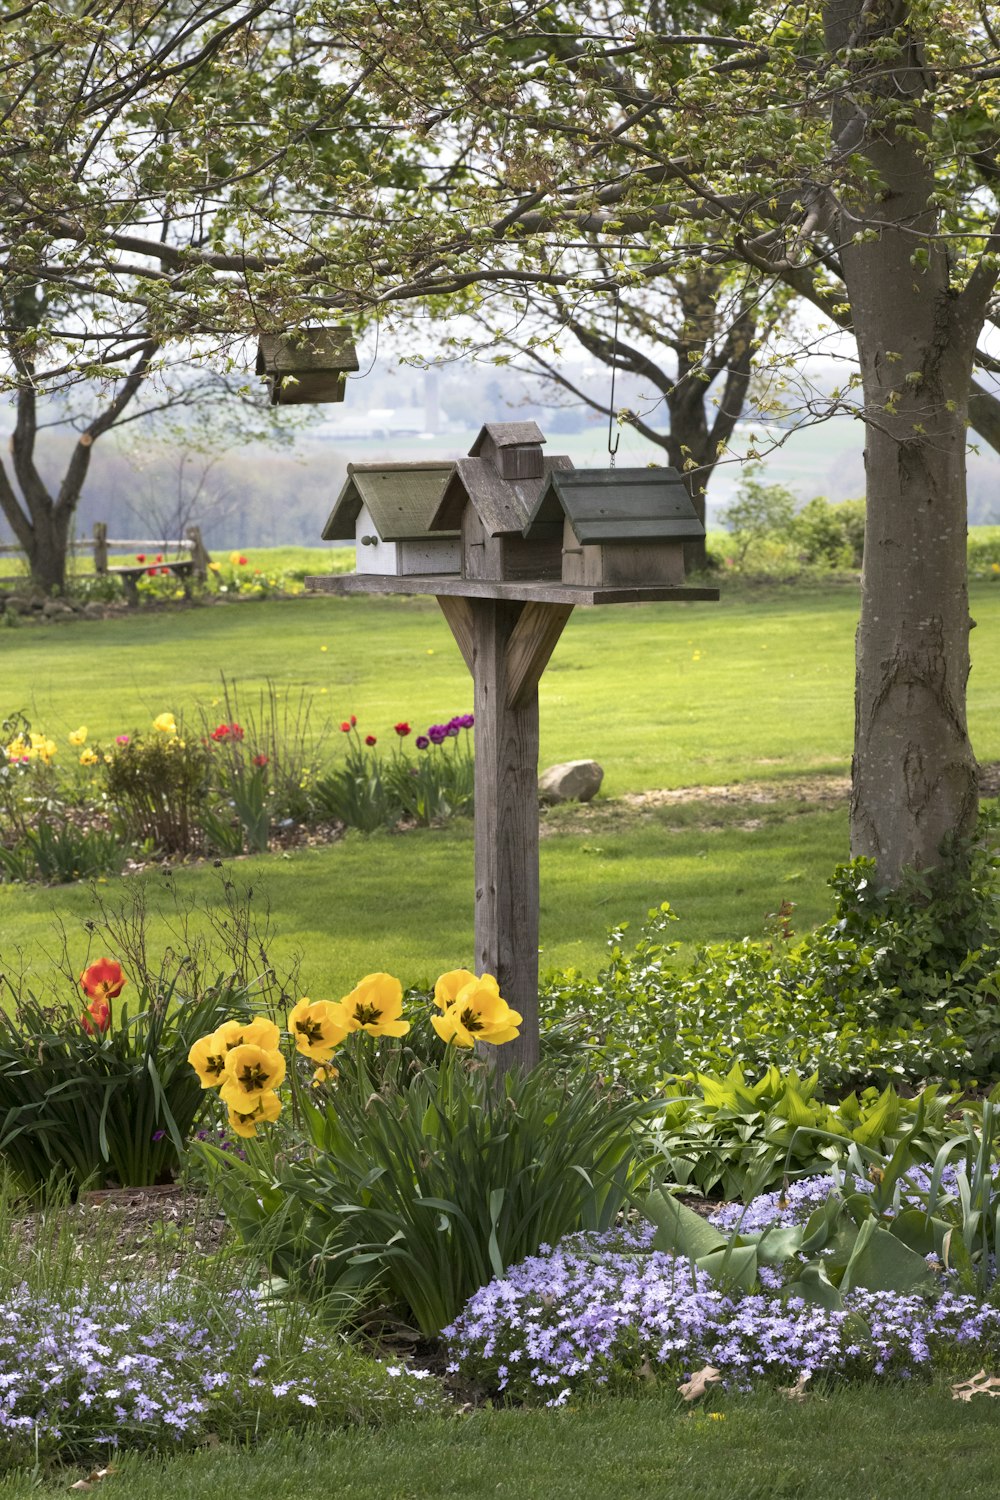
pixel 865 1441
pixel 404 903
pixel 662 696
pixel 757 687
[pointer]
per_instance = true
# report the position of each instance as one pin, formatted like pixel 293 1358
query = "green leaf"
pixel 813 1285
pixel 679 1229
pixel 883 1263
pixel 735 1265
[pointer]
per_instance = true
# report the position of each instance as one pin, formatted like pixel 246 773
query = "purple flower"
pixel 421 742
pixel 438 733
pixel 466 721
pixel 159 1135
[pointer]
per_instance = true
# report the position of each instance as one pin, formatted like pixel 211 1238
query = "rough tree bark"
pixel 41 521
pixel 914 772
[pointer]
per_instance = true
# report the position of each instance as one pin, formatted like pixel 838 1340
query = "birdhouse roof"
pixel 507 435
pixel 401 499
pixel 502 505
pixel 614 505
pixel 306 349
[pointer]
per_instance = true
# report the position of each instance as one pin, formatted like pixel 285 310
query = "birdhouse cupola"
pixel 513 448
pixel 386 510
pixel 490 497
pixel 617 528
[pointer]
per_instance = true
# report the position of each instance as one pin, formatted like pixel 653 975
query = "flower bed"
pixel 600 1311
pixel 162 1365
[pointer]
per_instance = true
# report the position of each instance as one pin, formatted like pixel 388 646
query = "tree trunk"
pixel 914 772
pixel 47 551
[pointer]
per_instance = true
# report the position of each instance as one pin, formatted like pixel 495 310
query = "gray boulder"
pixel 574 781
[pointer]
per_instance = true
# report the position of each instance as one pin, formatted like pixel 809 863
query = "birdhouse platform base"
pixel 523 592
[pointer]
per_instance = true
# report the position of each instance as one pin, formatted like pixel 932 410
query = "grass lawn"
pixel 757 687
pixel 663 696
pixel 404 903
pixel 866 1441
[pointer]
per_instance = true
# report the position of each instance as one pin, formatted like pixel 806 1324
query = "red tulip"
pixel 402 729
pixel 370 739
pixel 97 1015
pixel 103 980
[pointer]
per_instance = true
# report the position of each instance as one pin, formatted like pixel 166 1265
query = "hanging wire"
pixel 613 447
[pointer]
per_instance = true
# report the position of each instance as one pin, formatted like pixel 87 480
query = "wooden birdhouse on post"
pixel 310 365
pixel 623 528
pixel 537 539
pixel 490 498
pixel 386 510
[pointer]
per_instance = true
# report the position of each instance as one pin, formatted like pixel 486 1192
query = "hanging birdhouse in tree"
pixel 386 510
pixel 490 497
pixel 310 365
pixel 616 528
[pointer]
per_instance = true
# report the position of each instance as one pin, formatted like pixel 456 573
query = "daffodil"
pixel 79 736
pixel 245 1122
pixel 250 1071
pixel 165 723
pixel 208 1058
pixel 374 1005
pixel 260 1032
pixel 316 1027
pixel 478 1014
pixel 447 988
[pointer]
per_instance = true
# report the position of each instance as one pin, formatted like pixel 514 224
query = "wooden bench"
pixel 130 573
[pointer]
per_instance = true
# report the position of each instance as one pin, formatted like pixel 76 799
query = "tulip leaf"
pixel 780 1243
pixel 883 1263
pixel 924 1235
pixel 736 1265
pixel 813 1285
pixel 679 1229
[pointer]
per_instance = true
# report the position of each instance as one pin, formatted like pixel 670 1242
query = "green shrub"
pixel 897 987
pixel 159 787
pixel 830 536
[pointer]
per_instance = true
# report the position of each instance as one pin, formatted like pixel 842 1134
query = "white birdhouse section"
pixel 403 559
pixel 386 510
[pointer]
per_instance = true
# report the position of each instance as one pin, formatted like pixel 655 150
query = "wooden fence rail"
pixel 195 562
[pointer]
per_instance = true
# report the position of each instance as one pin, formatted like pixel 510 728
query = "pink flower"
pixel 121 739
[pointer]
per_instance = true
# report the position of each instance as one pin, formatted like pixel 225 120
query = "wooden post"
pixel 199 554
pixel 511 643
pixel 100 547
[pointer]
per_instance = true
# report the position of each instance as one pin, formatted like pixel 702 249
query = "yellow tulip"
pixel 374 1005
pixel 260 1032
pixel 250 1071
pixel 79 736
pixel 88 758
pixel 209 1061
pixel 245 1122
pixel 478 1014
pixel 165 723
pixel 447 988
pixel 316 1027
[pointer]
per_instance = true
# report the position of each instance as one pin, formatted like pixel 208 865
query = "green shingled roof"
pixel 401 498
pixel 615 505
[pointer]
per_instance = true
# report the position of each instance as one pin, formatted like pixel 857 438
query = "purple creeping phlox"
pixel 152 1366
pixel 596 1309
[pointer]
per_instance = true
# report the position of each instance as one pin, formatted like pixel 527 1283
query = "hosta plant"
pixel 735 1137
pixel 882 1226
